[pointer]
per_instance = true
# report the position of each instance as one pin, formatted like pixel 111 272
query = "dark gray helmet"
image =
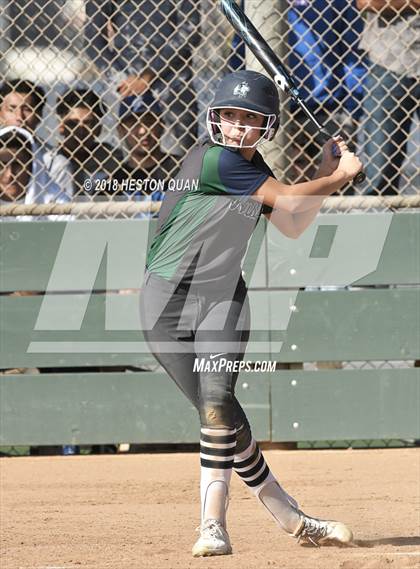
pixel 248 90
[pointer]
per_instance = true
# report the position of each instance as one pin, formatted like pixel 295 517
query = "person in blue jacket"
pixel 329 69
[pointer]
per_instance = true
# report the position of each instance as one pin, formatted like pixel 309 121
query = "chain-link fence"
pixel 109 95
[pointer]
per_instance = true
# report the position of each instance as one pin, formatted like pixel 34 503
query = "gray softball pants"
pixel 182 325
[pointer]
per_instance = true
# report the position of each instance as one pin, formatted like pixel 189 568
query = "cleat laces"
pixel 313 530
pixel 210 528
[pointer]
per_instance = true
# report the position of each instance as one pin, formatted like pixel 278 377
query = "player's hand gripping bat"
pixel 271 63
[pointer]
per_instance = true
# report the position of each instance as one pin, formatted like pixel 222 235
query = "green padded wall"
pixel 383 248
pixel 345 404
pixel 363 249
pixel 95 408
pixel 72 326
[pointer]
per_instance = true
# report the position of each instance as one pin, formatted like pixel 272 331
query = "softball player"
pixel 194 302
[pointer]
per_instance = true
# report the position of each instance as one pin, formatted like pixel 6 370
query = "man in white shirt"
pixel 20 177
pixel 16 160
pixel 21 105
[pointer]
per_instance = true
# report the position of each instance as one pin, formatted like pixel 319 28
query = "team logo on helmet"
pixel 242 89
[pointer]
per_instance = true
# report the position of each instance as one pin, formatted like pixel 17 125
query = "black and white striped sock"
pixel 250 465
pixel 217 449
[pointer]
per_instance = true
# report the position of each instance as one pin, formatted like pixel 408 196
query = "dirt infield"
pixel 140 511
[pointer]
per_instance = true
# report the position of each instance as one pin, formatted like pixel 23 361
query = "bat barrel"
pixel 269 60
pixel 257 44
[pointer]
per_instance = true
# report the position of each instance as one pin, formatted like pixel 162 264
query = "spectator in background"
pixel 21 105
pixel 140 129
pixel 151 42
pixel 391 39
pixel 21 175
pixel 16 162
pixel 328 66
pixel 81 112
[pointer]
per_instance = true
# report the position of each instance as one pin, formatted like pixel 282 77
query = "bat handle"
pixel 359 178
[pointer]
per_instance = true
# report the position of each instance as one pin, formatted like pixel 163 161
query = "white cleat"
pixel 213 540
pixel 322 532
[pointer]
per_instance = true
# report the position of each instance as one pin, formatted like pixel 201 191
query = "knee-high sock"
pixel 217 448
pixel 250 465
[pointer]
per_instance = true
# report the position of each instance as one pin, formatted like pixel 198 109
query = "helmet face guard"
pixel 250 91
pixel 217 136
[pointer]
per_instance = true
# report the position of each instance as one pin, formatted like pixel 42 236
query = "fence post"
pixel 270 18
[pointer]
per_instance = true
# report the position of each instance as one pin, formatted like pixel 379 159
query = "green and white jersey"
pixel 207 217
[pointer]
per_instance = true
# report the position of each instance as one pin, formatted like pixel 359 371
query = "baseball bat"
pixel 271 63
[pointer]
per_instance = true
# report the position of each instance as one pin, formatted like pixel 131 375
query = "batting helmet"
pixel 246 90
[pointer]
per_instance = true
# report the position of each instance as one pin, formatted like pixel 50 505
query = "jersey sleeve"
pixel 238 175
pixel 228 172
